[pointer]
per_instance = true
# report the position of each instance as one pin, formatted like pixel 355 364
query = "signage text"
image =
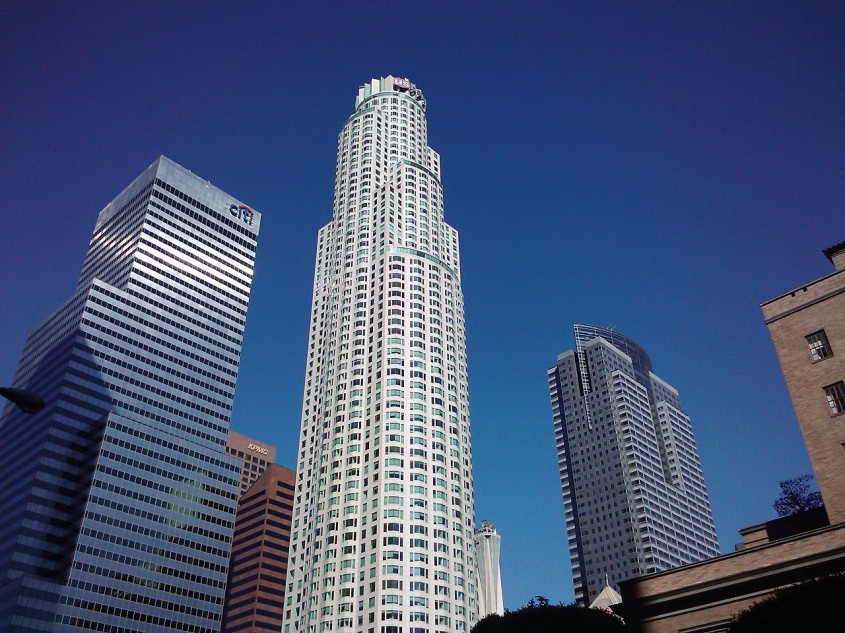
pixel 243 212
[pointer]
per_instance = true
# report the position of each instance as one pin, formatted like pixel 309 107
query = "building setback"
pixel 488 544
pixel 254 457
pixel 258 567
pixel 383 515
pixel 118 497
pixel 633 492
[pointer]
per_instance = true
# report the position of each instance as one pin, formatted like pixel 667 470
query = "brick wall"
pixel 791 317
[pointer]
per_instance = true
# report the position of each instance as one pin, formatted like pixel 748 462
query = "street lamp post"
pixel 26 401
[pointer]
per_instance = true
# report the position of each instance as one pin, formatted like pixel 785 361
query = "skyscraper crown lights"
pixel 390 84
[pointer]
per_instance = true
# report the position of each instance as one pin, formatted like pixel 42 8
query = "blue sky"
pixel 662 166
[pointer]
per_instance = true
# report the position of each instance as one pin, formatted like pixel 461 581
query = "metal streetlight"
pixel 26 401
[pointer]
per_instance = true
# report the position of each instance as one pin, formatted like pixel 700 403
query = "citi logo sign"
pixel 243 212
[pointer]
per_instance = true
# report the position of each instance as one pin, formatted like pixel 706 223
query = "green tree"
pixel 815 606
pixel 538 616
pixel 796 496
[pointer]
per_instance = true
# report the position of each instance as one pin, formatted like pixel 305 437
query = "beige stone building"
pixel 807 326
pixel 255 456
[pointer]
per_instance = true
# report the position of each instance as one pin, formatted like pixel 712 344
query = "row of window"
pixel 219 217
pixel 168 504
pixel 179 448
pixel 232 261
pixel 146 306
pixel 820 350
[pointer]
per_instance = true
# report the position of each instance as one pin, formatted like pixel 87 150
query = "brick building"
pixel 807 326
pixel 258 566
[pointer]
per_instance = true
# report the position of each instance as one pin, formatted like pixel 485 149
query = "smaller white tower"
pixel 487 545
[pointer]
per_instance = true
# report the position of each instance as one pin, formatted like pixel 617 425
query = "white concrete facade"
pixel 382 537
pixel 488 545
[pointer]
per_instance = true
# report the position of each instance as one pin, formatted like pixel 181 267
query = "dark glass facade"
pixel 118 497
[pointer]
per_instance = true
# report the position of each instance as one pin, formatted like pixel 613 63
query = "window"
pixel 819 346
pixel 836 397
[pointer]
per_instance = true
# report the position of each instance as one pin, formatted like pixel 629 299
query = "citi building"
pixel 382 534
pixel 118 499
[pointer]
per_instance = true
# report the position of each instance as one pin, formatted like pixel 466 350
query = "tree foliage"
pixel 796 496
pixel 538 616
pixel 815 606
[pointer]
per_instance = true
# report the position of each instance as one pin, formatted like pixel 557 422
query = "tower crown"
pixel 400 85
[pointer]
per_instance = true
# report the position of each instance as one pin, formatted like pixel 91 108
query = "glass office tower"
pixel 383 514
pixel 633 492
pixel 118 499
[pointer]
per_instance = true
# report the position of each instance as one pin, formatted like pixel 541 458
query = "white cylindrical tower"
pixel 382 537
pixel 487 546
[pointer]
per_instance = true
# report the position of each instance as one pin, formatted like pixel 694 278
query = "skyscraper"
pixel 118 499
pixel 633 492
pixel 258 566
pixel 383 515
pixel 487 547
pixel 254 457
